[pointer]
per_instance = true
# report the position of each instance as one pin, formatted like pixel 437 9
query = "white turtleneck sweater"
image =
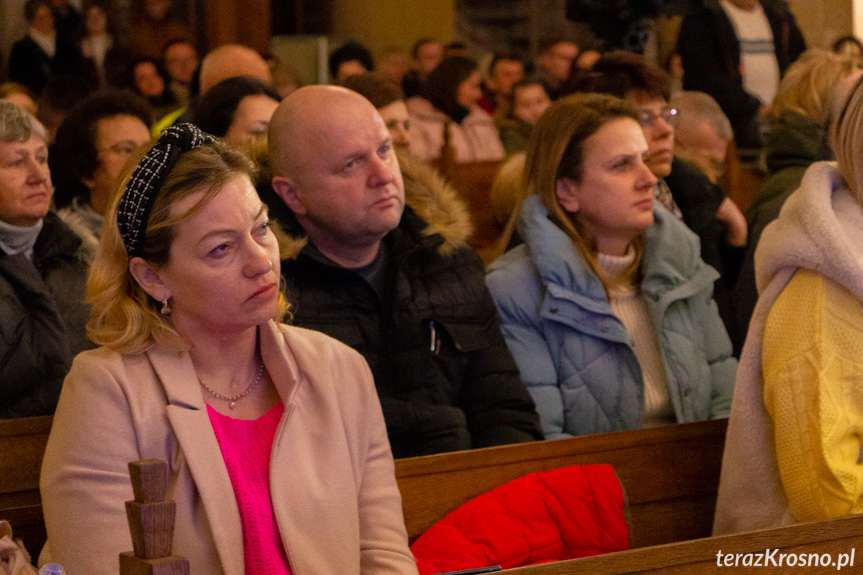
pixel 628 305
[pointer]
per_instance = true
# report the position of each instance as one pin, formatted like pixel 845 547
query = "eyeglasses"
pixel 648 118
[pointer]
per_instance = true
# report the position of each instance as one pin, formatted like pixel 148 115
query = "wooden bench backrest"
pixel 670 474
pixel 22 445
pixel 833 537
pixel 473 181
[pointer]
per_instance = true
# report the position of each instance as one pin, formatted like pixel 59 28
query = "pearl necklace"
pixel 233 399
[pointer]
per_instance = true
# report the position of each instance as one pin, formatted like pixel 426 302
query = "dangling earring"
pixel 165 309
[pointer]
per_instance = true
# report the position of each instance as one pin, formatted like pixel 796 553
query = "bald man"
pixel 228 61
pixel 390 274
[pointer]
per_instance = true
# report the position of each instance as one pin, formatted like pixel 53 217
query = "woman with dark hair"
pixel 606 306
pixel 92 145
pixel 238 110
pixel 452 94
pixel 106 63
pixel 148 79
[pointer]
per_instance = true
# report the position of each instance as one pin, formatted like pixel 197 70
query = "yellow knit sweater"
pixel 813 391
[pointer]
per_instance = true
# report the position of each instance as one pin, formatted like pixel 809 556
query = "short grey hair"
pixel 694 106
pixel 17 124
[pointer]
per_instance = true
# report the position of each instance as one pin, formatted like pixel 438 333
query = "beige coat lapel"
pixel 284 371
pixel 188 416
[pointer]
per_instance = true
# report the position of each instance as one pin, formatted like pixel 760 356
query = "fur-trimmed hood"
pixel 430 197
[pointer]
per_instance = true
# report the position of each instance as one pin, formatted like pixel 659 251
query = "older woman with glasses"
pixel 277 448
pixel 92 145
pixel 42 274
pixel 606 306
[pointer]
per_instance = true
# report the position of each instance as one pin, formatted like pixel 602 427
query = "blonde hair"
pixel 846 140
pixel 556 150
pixel 123 316
pixel 808 85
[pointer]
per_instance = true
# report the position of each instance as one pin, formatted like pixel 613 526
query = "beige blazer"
pixel 332 481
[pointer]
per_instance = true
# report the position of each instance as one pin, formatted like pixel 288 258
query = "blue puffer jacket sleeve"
pixel 678 286
pixel 517 291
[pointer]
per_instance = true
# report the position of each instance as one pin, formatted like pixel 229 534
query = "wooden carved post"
pixel 151 521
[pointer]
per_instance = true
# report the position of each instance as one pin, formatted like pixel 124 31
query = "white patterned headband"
pixel 134 210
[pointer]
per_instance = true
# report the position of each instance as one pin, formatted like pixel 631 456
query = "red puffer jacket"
pixel 547 516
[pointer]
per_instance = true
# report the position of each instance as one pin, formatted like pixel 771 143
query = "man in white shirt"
pixel 736 51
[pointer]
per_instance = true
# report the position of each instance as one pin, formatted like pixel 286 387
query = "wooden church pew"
pixel 837 538
pixel 22 445
pixel 670 474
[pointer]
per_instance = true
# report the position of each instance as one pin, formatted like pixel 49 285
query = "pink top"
pixel 246 446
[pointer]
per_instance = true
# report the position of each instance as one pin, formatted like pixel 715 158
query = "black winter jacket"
pixel 444 375
pixel 42 320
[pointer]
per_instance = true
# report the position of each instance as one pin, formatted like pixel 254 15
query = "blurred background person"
pixel 702 134
pixel 148 81
pixel 452 92
pixel 226 61
pixel 349 59
pixel 181 64
pixel 60 95
pixel 91 148
pixel 528 101
pixel 737 51
pixel 426 54
pixel 239 110
pixel 504 72
pixel 154 27
pixel 389 100
pixel 42 53
pixel 42 274
pixel 393 64
pixel 106 63
pixel 555 62
pixel 68 21
pixel 801 117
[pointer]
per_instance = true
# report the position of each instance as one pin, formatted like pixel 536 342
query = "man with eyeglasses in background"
pixel 681 187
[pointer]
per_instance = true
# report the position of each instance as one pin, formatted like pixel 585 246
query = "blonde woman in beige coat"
pixel 185 289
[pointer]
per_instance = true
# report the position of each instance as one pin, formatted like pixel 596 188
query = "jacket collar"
pixel 190 422
pixel 56 240
pixel 671 264
pixel 820 227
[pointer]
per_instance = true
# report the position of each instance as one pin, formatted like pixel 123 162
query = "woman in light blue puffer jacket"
pixel 607 306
